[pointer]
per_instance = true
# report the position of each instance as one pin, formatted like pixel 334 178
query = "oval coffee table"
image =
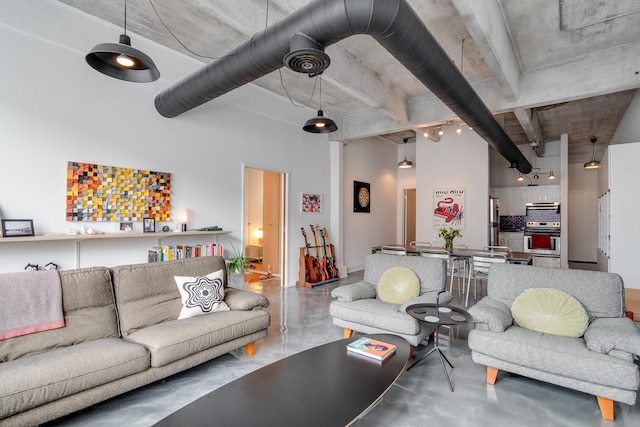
pixel 323 386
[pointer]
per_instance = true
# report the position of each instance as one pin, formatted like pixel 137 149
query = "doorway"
pixel 264 213
pixel 409 231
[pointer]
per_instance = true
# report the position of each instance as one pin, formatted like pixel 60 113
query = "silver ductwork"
pixel 321 23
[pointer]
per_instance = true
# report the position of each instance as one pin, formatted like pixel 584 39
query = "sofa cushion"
pixel 89 314
pixel 377 314
pixel 146 294
pixel 33 381
pixel 176 339
pixel 201 294
pixel 432 272
pixel 398 285
pixel 550 311
pixel 607 334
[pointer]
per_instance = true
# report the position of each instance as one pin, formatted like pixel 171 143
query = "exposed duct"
pixel 393 23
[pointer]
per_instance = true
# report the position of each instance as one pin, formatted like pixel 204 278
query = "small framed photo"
pixel 126 226
pixel 149 225
pixel 311 203
pixel 17 227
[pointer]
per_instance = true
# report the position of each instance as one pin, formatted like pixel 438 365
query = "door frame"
pixel 283 221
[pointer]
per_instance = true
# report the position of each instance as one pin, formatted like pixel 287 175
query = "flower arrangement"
pixel 448 234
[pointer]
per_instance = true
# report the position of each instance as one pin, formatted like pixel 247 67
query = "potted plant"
pixel 448 234
pixel 237 264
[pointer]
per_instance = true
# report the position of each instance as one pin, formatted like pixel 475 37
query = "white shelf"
pixel 123 235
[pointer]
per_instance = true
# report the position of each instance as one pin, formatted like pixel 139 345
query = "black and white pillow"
pixel 201 295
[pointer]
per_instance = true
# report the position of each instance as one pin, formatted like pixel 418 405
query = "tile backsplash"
pixel 512 223
pixel 544 215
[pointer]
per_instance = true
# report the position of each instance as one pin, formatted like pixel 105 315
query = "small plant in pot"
pixel 237 264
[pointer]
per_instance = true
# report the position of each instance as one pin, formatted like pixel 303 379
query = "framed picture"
pixel 149 225
pixel 17 227
pixel 311 203
pixel 361 197
pixel 126 226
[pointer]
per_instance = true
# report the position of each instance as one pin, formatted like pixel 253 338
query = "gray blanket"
pixel 30 302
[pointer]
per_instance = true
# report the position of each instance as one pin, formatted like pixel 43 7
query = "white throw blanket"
pixel 30 302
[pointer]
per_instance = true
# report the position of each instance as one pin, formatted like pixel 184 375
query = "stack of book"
pixel 171 252
pixel 372 348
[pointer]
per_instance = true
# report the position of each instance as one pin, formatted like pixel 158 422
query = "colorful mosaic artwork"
pixel 111 193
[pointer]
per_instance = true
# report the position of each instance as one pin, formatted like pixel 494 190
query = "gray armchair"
pixel 358 307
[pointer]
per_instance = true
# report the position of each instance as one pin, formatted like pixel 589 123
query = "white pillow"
pixel 201 295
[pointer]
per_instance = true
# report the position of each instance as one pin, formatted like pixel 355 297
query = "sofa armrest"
pixel 355 291
pixel 427 298
pixel 495 315
pixel 238 299
pixel 619 333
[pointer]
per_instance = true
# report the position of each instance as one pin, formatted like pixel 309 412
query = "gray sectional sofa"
pixel 121 332
pixel 358 307
pixel 602 362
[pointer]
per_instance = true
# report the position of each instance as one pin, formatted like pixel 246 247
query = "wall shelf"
pixel 77 238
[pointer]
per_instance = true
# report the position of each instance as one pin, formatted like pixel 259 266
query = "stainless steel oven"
pixel 542 240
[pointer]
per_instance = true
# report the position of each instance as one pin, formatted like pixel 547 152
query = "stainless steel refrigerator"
pixel 494 222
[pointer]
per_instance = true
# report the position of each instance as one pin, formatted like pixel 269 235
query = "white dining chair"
pixel 498 248
pixel 393 250
pixel 480 264
pixel 451 266
pixel 420 244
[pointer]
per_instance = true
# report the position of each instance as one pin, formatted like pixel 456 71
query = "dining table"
pixel 512 257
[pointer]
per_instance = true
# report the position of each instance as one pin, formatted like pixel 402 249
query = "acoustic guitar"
pixel 323 271
pixel 326 263
pixel 312 265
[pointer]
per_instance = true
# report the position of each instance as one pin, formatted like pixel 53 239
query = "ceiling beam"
pixel 530 122
pixel 484 21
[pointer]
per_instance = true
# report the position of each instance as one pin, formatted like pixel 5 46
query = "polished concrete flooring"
pixel 421 397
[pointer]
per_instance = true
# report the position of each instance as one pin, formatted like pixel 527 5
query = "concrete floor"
pixel 300 320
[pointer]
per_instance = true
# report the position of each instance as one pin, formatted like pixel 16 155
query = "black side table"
pixel 438 315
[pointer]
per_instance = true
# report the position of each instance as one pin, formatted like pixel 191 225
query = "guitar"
pixel 312 266
pixel 332 257
pixel 323 271
pixel 326 264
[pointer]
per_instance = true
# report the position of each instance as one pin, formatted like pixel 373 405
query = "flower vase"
pixel 448 245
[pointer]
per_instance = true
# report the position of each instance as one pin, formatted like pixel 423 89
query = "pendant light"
pixel 320 124
pixel 405 164
pixel 593 164
pixel 121 61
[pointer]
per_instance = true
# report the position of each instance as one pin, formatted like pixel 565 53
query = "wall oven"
pixel 542 240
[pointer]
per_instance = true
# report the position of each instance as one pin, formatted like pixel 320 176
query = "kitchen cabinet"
pixel 543 193
pixel 514 240
pixel 512 200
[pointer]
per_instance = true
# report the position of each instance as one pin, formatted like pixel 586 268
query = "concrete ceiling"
pixel 544 67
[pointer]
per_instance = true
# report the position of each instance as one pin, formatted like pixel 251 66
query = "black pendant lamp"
pixel 121 61
pixel 320 124
pixel 593 164
pixel 405 164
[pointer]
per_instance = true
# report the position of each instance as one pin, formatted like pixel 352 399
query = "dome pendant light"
pixel 405 164
pixel 320 124
pixel 593 164
pixel 121 61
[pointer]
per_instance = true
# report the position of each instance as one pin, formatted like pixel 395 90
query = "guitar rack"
pixel 302 272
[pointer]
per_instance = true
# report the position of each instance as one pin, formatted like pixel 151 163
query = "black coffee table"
pixel 323 386
pixel 438 315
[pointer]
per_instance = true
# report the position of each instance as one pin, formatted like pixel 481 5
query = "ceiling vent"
pixel 306 56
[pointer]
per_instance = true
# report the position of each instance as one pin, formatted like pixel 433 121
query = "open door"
pixel 264 223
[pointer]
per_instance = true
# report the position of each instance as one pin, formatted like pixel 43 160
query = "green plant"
pixel 237 263
pixel 449 233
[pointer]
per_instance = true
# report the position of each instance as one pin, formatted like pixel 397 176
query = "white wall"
pixel 374 161
pixel 583 214
pixel 406 180
pixel 455 161
pixel 55 109
pixel 629 128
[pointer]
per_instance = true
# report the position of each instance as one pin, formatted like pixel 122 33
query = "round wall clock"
pixel 361 196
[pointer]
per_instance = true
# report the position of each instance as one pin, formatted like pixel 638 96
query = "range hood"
pixel 555 206
pixel 299 40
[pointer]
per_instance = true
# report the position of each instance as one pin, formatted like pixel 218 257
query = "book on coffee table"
pixel 374 349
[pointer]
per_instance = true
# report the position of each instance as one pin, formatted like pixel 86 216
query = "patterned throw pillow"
pixel 201 295
pixel 398 285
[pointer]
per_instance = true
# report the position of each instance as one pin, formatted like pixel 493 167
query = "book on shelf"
pixel 171 252
pixel 375 349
